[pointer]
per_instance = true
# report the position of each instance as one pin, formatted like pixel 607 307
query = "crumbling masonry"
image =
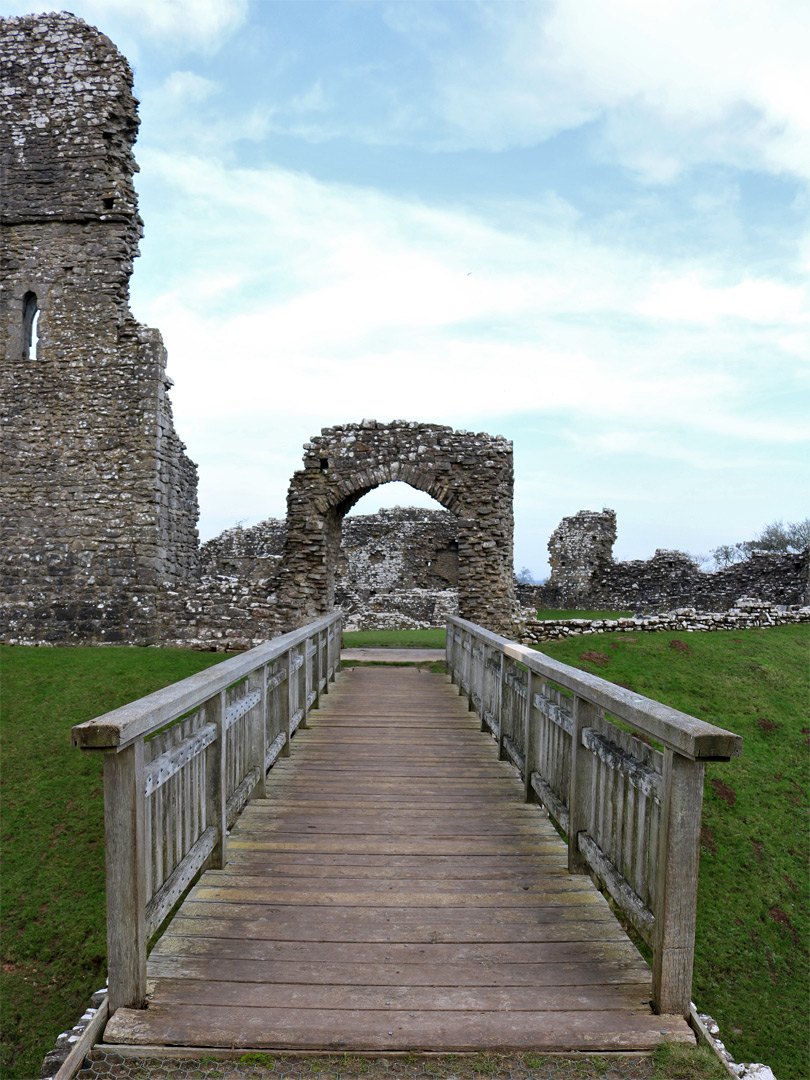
pixel 99 500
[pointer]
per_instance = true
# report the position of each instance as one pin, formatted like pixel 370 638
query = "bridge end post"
pixel 676 885
pixel 125 856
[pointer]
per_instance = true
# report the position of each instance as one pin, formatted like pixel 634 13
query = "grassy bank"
pixel 753 927
pixel 53 905
pixel 751 970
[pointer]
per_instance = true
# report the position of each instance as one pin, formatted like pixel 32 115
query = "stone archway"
pixel 469 475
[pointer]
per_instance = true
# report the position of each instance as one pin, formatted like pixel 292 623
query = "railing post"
pixel 580 783
pixel 529 738
pixel 449 651
pixel 676 884
pixel 125 857
pixel 215 786
pixel 258 729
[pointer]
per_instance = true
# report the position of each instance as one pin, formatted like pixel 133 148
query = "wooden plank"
pixel 605 946
pixel 390 1029
pixel 532 999
pixel 583 972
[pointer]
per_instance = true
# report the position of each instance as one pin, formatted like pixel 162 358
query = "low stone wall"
pixel 747 613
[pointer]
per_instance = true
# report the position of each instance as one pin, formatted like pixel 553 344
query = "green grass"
pixel 53 906
pixel 552 613
pixel 395 639
pixel 753 926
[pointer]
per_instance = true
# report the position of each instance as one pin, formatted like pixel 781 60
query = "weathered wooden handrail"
pixel 180 764
pixel 631 812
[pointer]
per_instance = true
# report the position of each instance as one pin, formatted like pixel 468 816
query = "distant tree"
pixel 701 561
pixel 525 576
pixel 777 536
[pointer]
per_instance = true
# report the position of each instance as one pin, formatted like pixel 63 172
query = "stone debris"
pixel 65 1042
pixel 748 1071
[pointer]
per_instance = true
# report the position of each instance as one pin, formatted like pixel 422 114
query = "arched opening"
pixel 30 321
pixel 469 475
pixel 397 563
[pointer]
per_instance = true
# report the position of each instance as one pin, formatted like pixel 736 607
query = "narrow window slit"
pixel 30 335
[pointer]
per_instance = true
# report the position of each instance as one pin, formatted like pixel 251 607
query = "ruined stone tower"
pixel 99 500
pixel 579 548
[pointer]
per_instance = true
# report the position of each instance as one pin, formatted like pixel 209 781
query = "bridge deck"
pixel 395 892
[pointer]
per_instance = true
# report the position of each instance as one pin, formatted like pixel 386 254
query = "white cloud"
pixel 197 25
pixel 676 82
pixel 692 299
pixel 339 302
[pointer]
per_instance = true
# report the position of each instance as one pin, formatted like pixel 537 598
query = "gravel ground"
pixel 101 1064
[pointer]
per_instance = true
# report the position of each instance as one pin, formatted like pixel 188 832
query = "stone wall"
pixel 578 548
pixel 99 500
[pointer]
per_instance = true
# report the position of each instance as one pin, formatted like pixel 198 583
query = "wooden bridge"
pixel 389 884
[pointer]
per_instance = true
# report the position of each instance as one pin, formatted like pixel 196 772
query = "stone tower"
pixel 99 500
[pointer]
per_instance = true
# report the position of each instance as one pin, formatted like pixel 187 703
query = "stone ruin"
pixel 400 568
pixel 469 475
pixel 584 575
pixel 99 499
pixel 395 569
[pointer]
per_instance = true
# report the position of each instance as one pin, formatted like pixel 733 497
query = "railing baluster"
pixel 216 778
pixel 530 734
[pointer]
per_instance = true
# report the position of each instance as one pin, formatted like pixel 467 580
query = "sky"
pixel 583 226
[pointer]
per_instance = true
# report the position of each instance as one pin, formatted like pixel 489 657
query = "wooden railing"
pixel 179 765
pixel 630 811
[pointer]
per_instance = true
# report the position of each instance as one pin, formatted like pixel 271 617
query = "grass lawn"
pixel 53 906
pixel 395 639
pixel 753 926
